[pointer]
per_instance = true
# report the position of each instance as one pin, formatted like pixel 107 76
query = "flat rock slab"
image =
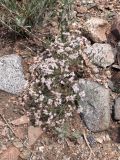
pixel 102 55
pixel 93 104
pixel 11 74
pixel 22 120
pixel 33 134
pixel 11 153
pixel 117 109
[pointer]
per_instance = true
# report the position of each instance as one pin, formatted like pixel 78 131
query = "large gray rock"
pixel 11 74
pixel 102 55
pixel 117 109
pixel 93 104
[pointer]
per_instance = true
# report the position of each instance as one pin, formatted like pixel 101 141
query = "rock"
pixel 19 132
pixel 33 134
pixel 18 144
pixel 81 9
pixel 11 153
pixel 97 29
pixel 91 140
pixel 102 138
pixel 11 74
pixel 22 120
pixel 93 104
pixel 118 158
pixel 1 124
pixel 114 35
pixel 115 81
pixel 25 154
pixel 102 55
pixel 117 109
pixel 3 148
pixel 4 132
pixel 118 54
pixel 114 133
pixel 86 2
pixel 115 27
pixel 115 66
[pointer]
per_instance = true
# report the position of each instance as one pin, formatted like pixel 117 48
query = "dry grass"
pixel 23 15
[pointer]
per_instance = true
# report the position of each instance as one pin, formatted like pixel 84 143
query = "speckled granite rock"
pixel 93 104
pixel 11 74
pixel 102 55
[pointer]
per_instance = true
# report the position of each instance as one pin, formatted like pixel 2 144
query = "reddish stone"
pixel 22 120
pixel 33 134
pixel 19 132
pixel 11 153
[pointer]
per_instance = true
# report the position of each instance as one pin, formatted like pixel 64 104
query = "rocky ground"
pixel 62 101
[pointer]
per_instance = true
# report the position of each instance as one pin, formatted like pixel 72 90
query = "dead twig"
pixel 9 126
pixel 91 151
pixel 2 116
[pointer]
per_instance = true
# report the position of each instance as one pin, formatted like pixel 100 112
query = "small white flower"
pixel 41 149
pixel 45 112
pixel 68 114
pixel 66 33
pixel 41 97
pixel 57 102
pixel 62 82
pixel 71 79
pixel 74 56
pixel 43 80
pixel 61 50
pixel 72 74
pixel 66 68
pixel 70 98
pixel 68 49
pixel 75 88
pixel 48 65
pixel 48 83
pixel 50 101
